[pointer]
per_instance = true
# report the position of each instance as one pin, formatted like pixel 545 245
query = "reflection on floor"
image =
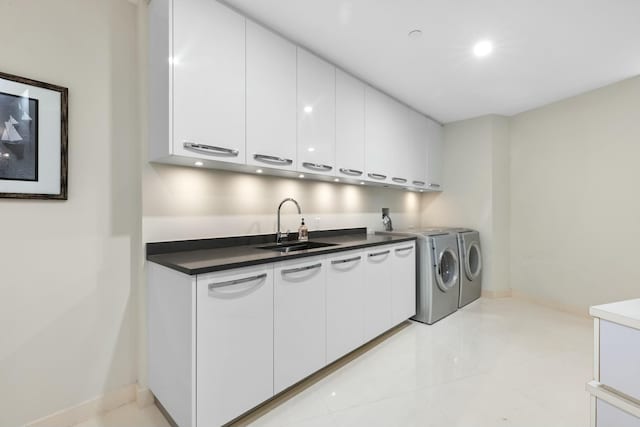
pixel 495 363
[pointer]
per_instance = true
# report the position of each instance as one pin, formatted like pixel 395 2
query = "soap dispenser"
pixel 303 232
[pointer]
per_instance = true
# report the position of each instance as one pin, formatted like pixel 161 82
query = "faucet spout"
pixel 279 235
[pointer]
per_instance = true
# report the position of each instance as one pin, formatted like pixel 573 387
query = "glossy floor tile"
pixel 501 362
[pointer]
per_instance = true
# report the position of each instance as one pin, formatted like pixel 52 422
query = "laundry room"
pixel 335 213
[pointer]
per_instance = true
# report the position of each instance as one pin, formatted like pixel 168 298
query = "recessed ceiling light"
pixel 415 34
pixel 199 164
pixel 301 176
pixel 483 48
pixel 336 179
pixel 259 171
pixel 311 149
pixel 361 182
pixel 308 109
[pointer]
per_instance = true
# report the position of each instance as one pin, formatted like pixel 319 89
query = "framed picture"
pixel 33 139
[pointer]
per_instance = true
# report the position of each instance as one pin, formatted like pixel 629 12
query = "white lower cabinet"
pixel 403 282
pixel 222 343
pixel 608 415
pixel 299 320
pixel 615 389
pixel 377 291
pixel 235 343
pixel 345 304
pixel 620 369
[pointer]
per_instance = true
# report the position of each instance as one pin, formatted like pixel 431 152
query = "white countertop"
pixel 625 313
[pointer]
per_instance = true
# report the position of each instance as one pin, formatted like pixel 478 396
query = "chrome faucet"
pixel 283 236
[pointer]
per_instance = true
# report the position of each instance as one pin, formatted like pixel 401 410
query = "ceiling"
pixel 545 50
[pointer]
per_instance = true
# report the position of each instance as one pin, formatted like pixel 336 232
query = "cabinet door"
pixel 403 282
pixel 377 292
pixel 345 306
pixel 271 99
pixel 400 156
pixel 316 114
pixel 234 343
pixel 208 81
pixel 378 136
pixel 417 163
pixel 435 154
pixel 299 320
pixel 349 126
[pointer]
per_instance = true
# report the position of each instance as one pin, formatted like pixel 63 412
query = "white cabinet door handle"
pixel 210 149
pixel 299 269
pixel 399 180
pixel 419 183
pixel 434 185
pixel 272 159
pixel 379 253
pixel 317 167
pixel 408 248
pixel 377 176
pixel 350 172
pixel 342 261
pixel 256 278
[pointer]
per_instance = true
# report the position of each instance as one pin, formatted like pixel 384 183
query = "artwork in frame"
pixel 33 139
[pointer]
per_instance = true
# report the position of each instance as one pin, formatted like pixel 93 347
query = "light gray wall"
pixel 476 191
pixel 67 300
pixel 575 210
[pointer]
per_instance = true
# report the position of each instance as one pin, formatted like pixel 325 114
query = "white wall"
pixel 67 308
pixel 188 203
pixel 476 191
pixel 575 210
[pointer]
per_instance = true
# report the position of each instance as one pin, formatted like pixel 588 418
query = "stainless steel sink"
pixel 295 246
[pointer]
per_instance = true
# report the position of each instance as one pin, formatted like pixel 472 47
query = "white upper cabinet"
pixel 378 135
pixel 271 99
pixel 385 138
pixel 399 154
pixel 417 163
pixel 208 81
pixel 227 93
pixel 349 126
pixel 316 114
pixel 435 154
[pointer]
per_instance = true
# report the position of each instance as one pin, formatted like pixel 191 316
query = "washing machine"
pixel 470 256
pixel 438 268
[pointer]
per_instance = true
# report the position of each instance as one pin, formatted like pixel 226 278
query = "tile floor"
pixel 501 362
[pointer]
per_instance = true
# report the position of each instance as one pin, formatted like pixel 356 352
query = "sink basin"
pixel 295 246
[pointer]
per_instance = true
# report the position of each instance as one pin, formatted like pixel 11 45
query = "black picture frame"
pixel 26 152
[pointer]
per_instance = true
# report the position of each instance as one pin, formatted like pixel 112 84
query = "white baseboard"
pixel 144 397
pixel 565 308
pixel 90 408
pixel 496 294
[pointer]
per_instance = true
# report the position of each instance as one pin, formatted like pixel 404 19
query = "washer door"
pixel 473 261
pixel 447 270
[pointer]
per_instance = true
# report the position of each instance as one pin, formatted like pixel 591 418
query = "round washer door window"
pixel 473 261
pixel 447 274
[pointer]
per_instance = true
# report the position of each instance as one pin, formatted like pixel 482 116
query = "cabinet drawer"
pixel 608 415
pixel 620 358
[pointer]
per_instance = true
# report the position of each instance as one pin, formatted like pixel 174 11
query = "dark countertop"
pixel 208 255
